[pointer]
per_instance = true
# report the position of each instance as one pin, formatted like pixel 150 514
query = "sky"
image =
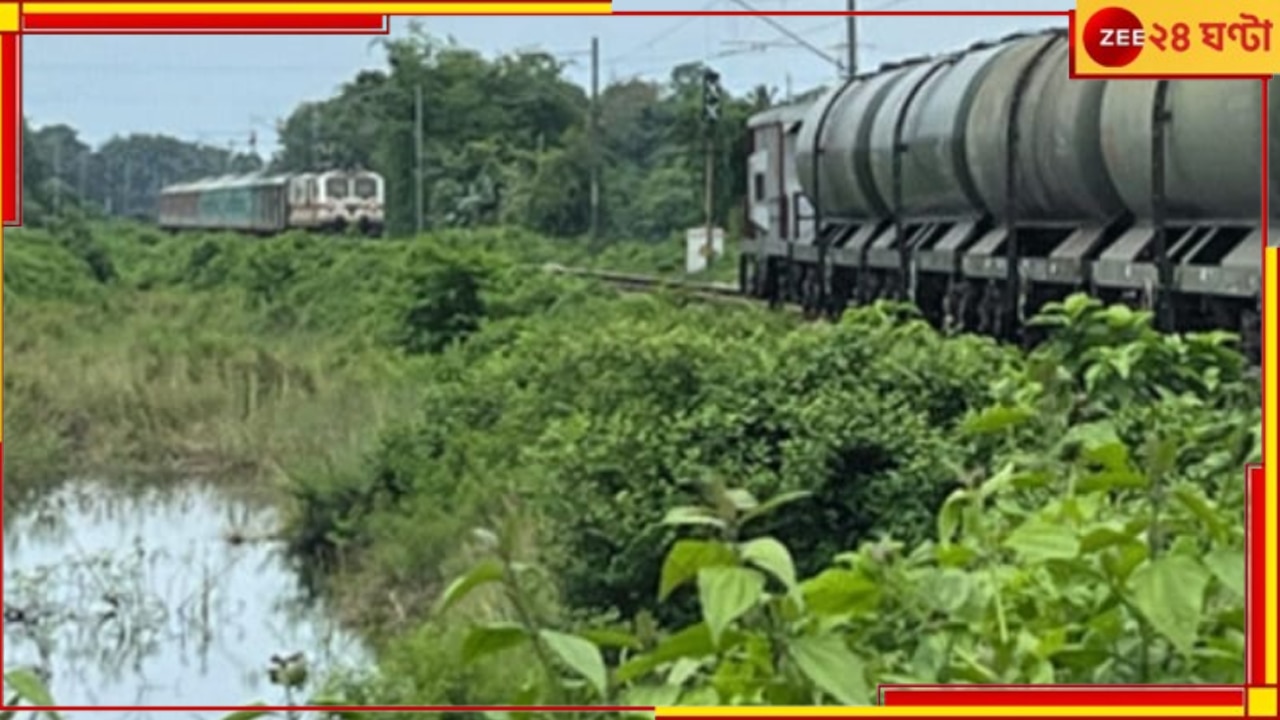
pixel 221 89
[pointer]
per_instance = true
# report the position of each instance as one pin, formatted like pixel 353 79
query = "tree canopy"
pixel 506 141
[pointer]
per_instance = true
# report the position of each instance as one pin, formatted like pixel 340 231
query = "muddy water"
pixel 173 597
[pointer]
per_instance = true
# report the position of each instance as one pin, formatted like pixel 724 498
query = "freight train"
pixel 981 184
pixel 265 204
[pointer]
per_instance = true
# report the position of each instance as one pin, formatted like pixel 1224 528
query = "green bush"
pixel 1056 566
pixel 603 412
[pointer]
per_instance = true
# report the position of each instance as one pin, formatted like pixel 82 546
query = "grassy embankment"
pixel 410 395
pixel 131 353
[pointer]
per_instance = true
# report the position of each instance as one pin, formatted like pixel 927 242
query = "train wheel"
pixel 769 283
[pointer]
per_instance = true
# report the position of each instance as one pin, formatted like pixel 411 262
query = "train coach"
pixel 333 201
pixel 981 184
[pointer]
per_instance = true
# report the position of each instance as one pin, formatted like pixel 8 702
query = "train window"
pixel 336 188
pixel 759 186
pixel 366 188
pixel 313 190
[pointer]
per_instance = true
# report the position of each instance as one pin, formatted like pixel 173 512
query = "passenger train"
pixel 264 204
pixel 983 183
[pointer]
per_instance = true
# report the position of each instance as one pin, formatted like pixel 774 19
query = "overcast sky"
pixel 217 89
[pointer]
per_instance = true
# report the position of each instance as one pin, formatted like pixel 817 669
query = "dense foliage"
pixel 61 174
pixel 508 141
pixel 524 153
pixel 670 500
pixel 1100 542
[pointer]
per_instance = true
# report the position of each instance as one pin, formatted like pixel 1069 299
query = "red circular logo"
pixel 1113 37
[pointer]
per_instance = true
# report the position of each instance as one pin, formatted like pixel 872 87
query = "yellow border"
pixel 381 8
pixel 1264 696
pixel 1002 711
pixel 1270 309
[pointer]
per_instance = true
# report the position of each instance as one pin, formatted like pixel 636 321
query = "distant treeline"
pixel 122 177
pixel 505 141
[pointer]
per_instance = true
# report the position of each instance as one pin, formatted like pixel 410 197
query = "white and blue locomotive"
pixel 332 201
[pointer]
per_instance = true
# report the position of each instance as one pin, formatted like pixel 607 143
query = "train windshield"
pixel 366 187
pixel 336 188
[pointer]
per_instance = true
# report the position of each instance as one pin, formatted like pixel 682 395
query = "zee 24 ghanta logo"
pixel 1114 37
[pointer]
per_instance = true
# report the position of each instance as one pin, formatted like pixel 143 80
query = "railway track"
pixel 648 283
pixel 714 291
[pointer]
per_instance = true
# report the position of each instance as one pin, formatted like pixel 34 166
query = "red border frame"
pixel 1259 496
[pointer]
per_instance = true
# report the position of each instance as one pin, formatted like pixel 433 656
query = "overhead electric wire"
pixel 684 22
pixel 791 34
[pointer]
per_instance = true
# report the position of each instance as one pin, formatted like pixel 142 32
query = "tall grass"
pixel 145 376
pixel 174 383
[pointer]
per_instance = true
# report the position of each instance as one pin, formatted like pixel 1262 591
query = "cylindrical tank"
pixel 1213 162
pixel 838 180
pixel 1060 170
pixel 936 182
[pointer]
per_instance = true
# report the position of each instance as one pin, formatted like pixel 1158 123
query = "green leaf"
pixel 949 515
pixel 1169 592
pixel 613 638
pixel 689 515
pixel 951 589
pixel 771 556
pixel 1037 540
pixel 1113 456
pixel 687 558
pixel 829 664
pixel 692 642
pixel 775 502
pixel 492 638
pixel 1161 456
pixel 487 571
pixel 838 591
pixel 581 656
pixel 726 593
pixel 1098 442
pixel 996 419
pixel 683 669
pixel 703 696
pixel 650 696
pixel 248 714
pixel 1192 498
pixel 27 685
pixel 1102 536
pixel 1122 559
pixel 1228 566
pixel 743 501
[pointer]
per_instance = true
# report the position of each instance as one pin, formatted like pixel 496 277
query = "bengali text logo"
pixel 1115 37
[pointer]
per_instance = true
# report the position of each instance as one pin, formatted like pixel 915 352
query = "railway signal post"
pixel 711 118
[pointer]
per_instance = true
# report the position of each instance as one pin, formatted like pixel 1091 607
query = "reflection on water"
pixel 156 598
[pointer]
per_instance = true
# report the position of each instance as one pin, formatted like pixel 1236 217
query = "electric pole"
pixel 417 157
pixel 84 174
pixel 711 117
pixel 595 138
pixel 57 174
pixel 315 138
pixel 126 198
pixel 851 30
